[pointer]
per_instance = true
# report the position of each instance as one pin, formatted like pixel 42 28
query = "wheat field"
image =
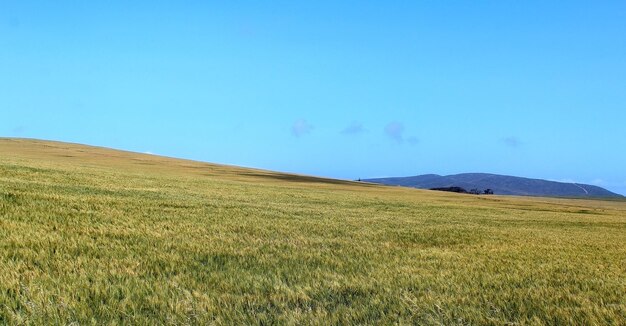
pixel 91 235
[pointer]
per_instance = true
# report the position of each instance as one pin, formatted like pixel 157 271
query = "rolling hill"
pixel 91 235
pixel 500 184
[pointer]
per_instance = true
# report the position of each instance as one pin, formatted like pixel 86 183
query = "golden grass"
pixel 99 236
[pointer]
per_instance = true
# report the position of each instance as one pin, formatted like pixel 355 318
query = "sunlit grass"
pixel 91 235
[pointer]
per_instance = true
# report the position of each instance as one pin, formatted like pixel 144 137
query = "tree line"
pixel 473 191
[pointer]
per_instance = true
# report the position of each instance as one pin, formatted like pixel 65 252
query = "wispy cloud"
pixel 354 128
pixel 564 180
pixel 300 128
pixel 598 182
pixel 395 131
pixel 512 142
pixel 18 130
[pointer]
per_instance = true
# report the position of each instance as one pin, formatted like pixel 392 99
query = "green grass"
pixel 97 236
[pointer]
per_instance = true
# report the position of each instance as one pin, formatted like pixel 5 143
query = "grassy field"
pixel 97 236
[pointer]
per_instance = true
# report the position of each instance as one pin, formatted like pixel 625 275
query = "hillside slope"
pixel 91 235
pixel 500 184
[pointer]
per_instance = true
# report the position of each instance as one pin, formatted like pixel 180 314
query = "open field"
pixel 98 236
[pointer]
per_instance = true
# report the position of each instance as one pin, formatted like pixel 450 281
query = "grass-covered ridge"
pixel 101 236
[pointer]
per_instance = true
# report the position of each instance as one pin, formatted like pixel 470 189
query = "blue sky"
pixel 346 89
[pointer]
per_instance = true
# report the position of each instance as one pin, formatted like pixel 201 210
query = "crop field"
pixel 96 236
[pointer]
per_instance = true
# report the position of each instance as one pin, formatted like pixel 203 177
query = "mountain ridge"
pixel 500 184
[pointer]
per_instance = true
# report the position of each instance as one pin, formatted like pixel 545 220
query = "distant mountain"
pixel 500 184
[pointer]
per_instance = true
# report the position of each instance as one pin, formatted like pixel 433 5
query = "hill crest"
pixel 500 184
